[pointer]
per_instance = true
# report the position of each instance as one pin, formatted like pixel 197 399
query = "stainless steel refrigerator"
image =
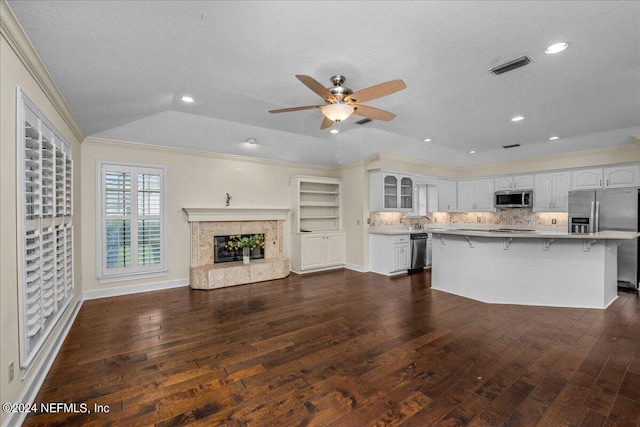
pixel 591 211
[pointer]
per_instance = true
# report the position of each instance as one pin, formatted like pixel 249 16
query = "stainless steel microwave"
pixel 514 199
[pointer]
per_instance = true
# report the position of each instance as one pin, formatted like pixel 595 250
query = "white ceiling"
pixel 122 65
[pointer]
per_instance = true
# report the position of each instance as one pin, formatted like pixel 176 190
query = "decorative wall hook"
pixel 228 200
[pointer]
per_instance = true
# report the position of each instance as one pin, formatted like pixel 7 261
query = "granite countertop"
pixel 503 231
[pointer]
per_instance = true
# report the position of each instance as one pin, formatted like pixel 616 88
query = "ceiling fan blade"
pixel 377 91
pixel 373 113
pixel 317 87
pixel 326 123
pixel 287 110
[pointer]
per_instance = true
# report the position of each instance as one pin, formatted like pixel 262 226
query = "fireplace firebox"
pixel 229 248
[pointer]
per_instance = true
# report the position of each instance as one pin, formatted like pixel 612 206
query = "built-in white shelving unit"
pixel 318 241
pixel 316 204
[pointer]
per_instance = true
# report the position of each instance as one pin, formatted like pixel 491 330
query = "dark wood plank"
pixel 343 348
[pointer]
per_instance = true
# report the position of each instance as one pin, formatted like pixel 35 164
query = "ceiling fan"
pixel 341 102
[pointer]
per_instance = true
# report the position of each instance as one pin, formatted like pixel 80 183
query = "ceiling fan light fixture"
pixel 337 112
pixel 334 131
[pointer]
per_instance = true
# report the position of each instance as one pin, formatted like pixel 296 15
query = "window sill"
pixel 132 276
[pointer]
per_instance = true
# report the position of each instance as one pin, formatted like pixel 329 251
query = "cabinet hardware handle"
pixel 607 182
pixel 600 183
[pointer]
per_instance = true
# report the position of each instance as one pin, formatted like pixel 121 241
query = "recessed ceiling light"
pixel 556 48
pixel 517 118
pixel 553 138
pixel 252 141
pixel 187 99
pixel 334 131
pixel 472 152
pixel 427 140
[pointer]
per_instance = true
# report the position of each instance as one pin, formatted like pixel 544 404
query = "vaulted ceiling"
pixel 123 65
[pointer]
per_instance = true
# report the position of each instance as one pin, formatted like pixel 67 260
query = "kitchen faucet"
pixel 421 225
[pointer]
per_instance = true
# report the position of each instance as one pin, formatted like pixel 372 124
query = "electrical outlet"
pixel 368 221
pixel 357 222
pixel 11 371
pixel 553 221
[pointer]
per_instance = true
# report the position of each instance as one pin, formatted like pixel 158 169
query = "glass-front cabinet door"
pixel 390 192
pixel 406 193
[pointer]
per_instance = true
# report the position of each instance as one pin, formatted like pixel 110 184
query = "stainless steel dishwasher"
pixel 418 252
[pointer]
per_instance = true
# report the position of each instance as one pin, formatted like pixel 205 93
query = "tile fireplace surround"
pixel 209 222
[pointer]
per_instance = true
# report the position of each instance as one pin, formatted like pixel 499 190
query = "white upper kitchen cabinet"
pixel 476 195
pixel 390 191
pixel 622 176
pixel 517 182
pixel 447 195
pixel 609 177
pixel 551 192
pixel 586 179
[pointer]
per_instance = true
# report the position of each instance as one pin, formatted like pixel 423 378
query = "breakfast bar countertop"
pixel 504 231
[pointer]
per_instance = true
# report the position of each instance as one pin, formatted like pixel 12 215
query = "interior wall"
pixel 14 72
pixel 355 211
pixel 195 179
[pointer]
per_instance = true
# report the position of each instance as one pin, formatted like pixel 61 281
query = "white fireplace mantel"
pixel 235 214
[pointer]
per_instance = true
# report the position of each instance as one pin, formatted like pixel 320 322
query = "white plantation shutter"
pixel 132 221
pixel 149 209
pixel 45 255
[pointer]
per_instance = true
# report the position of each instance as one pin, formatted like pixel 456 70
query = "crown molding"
pixel 15 35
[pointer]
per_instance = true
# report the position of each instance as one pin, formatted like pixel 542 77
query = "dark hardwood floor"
pixel 345 349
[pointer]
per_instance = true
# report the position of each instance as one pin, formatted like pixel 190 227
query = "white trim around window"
pixel 131 221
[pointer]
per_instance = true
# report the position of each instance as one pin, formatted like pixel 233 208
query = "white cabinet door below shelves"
pixel 334 247
pixel 313 248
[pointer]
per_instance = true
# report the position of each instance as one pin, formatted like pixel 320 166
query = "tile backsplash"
pixel 504 217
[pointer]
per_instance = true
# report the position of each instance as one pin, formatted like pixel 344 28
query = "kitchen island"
pixel 527 267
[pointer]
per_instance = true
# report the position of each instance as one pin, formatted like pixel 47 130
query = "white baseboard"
pixel 135 289
pixel 40 371
pixel 356 267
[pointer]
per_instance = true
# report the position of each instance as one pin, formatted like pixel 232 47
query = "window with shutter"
pixel 131 221
pixel 45 224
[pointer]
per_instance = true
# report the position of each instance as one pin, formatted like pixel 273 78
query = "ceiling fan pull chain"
pixel 338 144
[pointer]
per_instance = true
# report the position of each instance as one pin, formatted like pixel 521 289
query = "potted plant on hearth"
pixel 247 243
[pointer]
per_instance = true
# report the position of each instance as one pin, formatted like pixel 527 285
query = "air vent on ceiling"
pixel 511 65
pixel 363 121
pixel 511 146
